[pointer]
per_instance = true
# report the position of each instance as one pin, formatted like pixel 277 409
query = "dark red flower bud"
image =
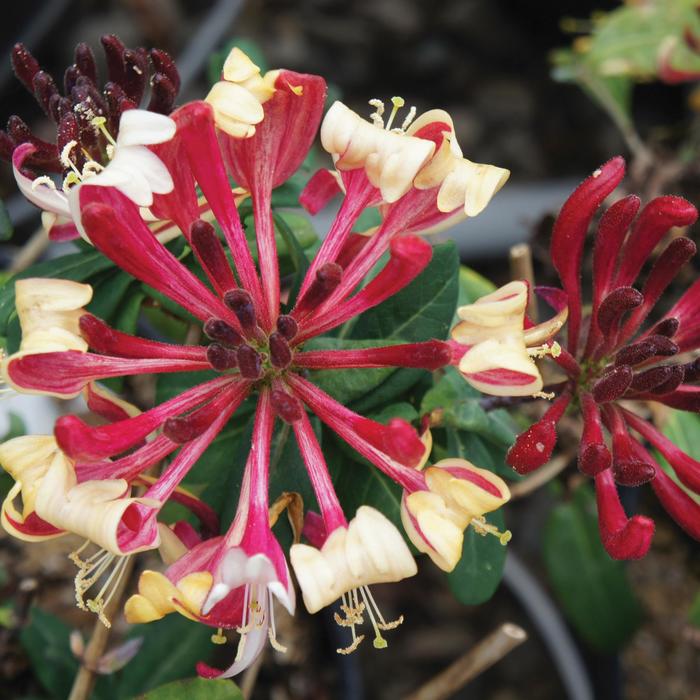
pixel 594 458
pixel 675 378
pixel 241 303
pixel 651 378
pixel 286 406
pixel 615 306
pixel 280 354
pixel 328 277
pixel 533 448
pixel 221 358
pixel 628 468
pixel 594 455
pixel 44 88
pixel 163 94
pixel 85 62
pixel 164 63
pixel 24 65
pixel 216 329
pixel 653 346
pixel 114 52
pixel 691 371
pixel 249 362
pixel 668 327
pixel 70 78
pixel 613 384
pixel 135 74
pixel 183 429
pixel 287 326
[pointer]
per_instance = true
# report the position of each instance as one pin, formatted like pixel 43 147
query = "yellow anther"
pixel 483 528
pixel 219 637
pixel 548 395
pixel 43 180
pixel 397 103
pixel 379 642
pixel 99 124
pixel 274 643
pixel 377 116
pixel 349 649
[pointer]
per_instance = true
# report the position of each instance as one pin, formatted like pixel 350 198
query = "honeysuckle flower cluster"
pixel 96 480
pixel 94 131
pixel 613 360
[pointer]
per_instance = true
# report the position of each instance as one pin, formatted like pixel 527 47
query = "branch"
pixel 485 654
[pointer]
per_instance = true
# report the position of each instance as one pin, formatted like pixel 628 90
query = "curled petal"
pixel 370 550
pixel 622 537
pixel 570 231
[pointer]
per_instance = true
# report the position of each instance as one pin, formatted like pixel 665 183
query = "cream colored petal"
pixel 235 107
pixel 495 355
pixel 238 67
pixel 439 532
pixel 463 495
pixel 139 127
pixel 92 509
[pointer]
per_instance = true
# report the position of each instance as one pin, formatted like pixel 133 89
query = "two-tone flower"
pixel 255 350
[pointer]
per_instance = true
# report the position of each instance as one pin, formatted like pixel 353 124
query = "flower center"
pixel 257 356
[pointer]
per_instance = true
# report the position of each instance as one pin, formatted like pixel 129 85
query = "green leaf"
pixel 482 453
pixel 16 427
pixel 422 310
pixel 694 612
pixel 79 267
pixel 296 251
pixel 480 570
pixel 349 384
pixel 46 641
pixel 592 588
pixel 171 649
pixel 681 427
pixel 457 404
pixel 196 689
pixel 472 286
pixel 360 483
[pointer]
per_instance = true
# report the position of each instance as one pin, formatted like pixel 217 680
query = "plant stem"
pixel 520 258
pixel 485 654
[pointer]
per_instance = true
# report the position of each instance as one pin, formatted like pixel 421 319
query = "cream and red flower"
pixel 255 349
pixel 612 361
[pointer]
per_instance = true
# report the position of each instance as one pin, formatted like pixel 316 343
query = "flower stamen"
pixel 91 570
pixel 483 528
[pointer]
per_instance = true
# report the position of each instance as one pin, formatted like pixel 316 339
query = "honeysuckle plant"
pixel 341 381
pixel 267 343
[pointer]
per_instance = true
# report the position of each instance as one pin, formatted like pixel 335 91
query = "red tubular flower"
pixel 616 359
pixel 258 128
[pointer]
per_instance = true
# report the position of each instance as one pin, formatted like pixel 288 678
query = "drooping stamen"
pixel 280 354
pixel 613 384
pixel 91 571
pixel 328 278
pixel 249 362
pixel 241 303
pixel 287 326
pixel 272 629
pixel 216 329
pixel 221 358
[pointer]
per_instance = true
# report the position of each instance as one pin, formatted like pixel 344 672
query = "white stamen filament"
pixel 353 609
pixel 91 570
